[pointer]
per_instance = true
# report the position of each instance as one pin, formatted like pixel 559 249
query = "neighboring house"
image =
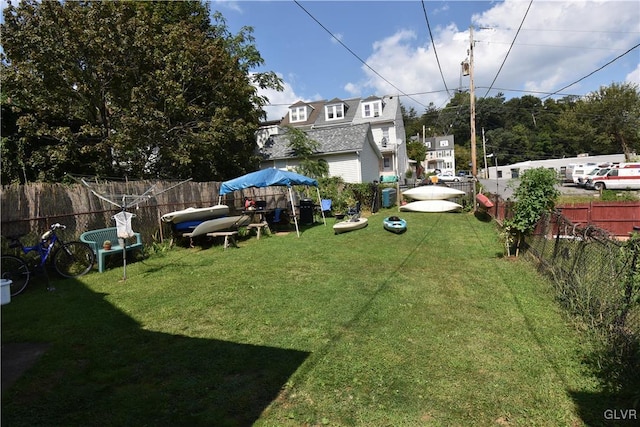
pixel 266 130
pixel 440 154
pixel 349 150
pixel 338 125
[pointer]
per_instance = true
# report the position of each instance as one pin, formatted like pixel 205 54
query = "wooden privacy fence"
pixel 618 218
pixel 31 208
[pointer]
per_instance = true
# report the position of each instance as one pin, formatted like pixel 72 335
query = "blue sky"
pixel 521 47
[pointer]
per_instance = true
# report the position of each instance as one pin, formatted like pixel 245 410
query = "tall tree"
pixel 614 113
pixel 145 89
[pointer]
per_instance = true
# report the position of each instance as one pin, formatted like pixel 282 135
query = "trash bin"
pixel 306 211
pixel 388 197
pixel 5 295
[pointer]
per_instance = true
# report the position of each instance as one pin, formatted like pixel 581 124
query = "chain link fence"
pixel 597 279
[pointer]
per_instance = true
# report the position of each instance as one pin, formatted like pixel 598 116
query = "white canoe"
pixel 349 225
pixel 220 224
pixel 194 214
pixel 432 192
pixel 430 206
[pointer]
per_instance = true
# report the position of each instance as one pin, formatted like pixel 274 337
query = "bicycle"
pixel 70 259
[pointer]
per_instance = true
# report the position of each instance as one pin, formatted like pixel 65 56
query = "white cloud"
pixel 634 76
pixel 560 42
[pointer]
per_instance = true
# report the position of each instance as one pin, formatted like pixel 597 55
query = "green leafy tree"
pixel 614 115
pixel 305 149
pixel 145 89
pixel 417 151
pixel 535 195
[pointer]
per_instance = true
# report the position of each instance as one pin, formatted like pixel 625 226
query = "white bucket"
pixel 5 293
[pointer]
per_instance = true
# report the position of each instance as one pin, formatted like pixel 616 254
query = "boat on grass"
pixel 430 206
pixel 432 192
pixel 195 214
pixel 354 223
pixel 394 224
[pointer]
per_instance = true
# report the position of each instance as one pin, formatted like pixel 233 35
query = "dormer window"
pixel 372 109
pixel 334 112
pixel 297 114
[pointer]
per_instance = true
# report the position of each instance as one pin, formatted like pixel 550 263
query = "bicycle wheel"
pixel 73 259
pixel 16 270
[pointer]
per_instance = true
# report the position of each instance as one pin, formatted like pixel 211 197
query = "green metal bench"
pixel 95 239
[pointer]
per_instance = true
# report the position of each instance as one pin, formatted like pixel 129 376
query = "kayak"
pixel 394 224
pixel 195 214
pixel 350 225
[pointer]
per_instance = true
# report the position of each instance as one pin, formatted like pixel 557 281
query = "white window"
pixel 444 143
pixel 298 114
pixel 372 109
pixel 387 163
pixel 334 112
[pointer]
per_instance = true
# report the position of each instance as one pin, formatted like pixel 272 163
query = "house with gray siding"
pixel 362 140
pixel 349 151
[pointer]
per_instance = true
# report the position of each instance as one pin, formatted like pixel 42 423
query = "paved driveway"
pixel 504 187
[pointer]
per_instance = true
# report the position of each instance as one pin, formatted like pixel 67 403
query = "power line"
pixel 434 47
pixel 593 72
pixel 510 47
pixel 354 54
pixel 559 46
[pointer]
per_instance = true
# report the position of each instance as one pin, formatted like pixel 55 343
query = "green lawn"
pixel 432 327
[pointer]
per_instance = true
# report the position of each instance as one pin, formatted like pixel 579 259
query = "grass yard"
pixel 432 327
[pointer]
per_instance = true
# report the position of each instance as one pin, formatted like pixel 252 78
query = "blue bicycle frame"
pixel 44 248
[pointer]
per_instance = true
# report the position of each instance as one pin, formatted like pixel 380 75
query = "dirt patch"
pixel 17 358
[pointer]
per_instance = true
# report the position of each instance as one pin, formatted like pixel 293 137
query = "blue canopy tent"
pixel 271 177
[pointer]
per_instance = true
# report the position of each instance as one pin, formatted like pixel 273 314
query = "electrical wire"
pixel 433 44
pixel 355 55
pixel 593 72
pixel 509 51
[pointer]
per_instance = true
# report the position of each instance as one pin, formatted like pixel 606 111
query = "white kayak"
pixel 432 192
pixel 349 225
pixel 430 206
pixel 195 214
pixel 221 224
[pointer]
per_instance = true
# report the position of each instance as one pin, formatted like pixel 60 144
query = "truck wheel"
pixel 599 186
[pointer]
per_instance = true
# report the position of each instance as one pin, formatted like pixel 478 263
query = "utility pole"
pixel 472 104
pixel 484 152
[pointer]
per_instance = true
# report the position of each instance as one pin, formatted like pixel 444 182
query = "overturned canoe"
pixel 430 206
pixel 432 192
pixel 195 214
pixel 220 224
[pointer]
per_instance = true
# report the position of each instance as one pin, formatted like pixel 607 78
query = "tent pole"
pixel 320 202
pixel 293 208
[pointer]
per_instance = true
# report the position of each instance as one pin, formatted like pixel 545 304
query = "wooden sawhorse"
pixel 259 227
